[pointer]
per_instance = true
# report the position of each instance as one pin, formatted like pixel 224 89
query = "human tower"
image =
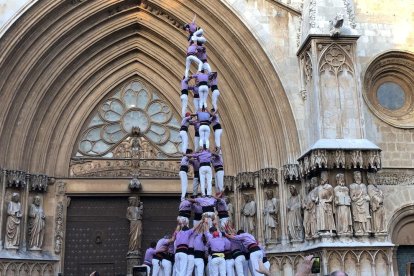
pixel 212 247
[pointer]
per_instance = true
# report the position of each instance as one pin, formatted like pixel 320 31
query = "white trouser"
pixel 196 102
pixel 218 266
pixel 184 102
pixel 230 267
pixel 204 136
pixel 190 265
pixel 167 267
pixel 183 221
pixel 188 61
pixel 219 177
pixel 223 223
pixel 198 36
pixel 206 67
pixel 196 183
pixel 255 257
pixel 246 267
pixel 148 269
pixel 209 272
pixel 156 267
pixel 267 265
pixel 217 136
pixel 203 91
pixel 198 267
pixel 181 264
pixel 216 94
pixel 205 175
pixel 196 143
pixel 184 141
pixel 184 183
pixel 211 216
pixel 239 265
pixel 174 271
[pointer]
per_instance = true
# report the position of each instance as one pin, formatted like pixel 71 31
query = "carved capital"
pixel 245 180
pixel 16 179
pixel 268 176
pixel 291 172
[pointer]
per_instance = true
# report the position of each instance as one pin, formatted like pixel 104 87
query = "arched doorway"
pixel 403 237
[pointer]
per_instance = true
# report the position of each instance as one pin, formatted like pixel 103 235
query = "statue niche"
pixel 134 215
pixel 248 214
pixel 36 224
pixel 270 212
pixel 14 217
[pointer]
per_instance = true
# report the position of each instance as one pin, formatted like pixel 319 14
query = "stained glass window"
pixel 136 104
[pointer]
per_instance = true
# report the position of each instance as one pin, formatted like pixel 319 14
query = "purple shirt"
pixel 149 254
pixel 203 157
pixel 213 78
pixel 184 84
pixel 185 161
pixel 194 89
pixel 205 201
pixel 227 244
pixel 216 244
pixel 203 116
pixel 185 205
pixel 191 50
pixel 201 77
pixel 221 205
pixel 196 164
pixel 196 125
pixel 246 239
pixel 162 245
pixel 183 237
pixel 235 245
pixel 191 240
pixel 201 53
pixel 192 27
pixel 215 119
pixel 198 242
pixel 186 121
pixel 216 160
pixel 196 208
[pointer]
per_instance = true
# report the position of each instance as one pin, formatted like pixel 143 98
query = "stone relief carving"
pixel 16 179
pixel 334 60
pixel 268 176
pixel 59 229
pixel 248 214
pixel 245 180
pixel 342 207
pixel 291 172
pixel 312 13
pixel 394 178
pixel 294 215
pixel 38 182
pixel 229 182
pixel 360 206
pixel 339 159
pixel 356 159
pixel 377 205
pixel 319 159
pixel 134 215
pixel 350 12
pixel 309 208
pixel 27 268
pixel 13 223
pixel 151 7
pixel 271 213
pixel 37 224
pixel 324 211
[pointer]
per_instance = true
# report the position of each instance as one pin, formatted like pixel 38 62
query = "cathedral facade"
pixel 316 105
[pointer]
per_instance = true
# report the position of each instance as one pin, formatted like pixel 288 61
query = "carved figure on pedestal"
pixel 14 215
pixel 324 202
pixel 134 215
pixel 270 212
pixel 377 205
pixel 309 208
pixel 294 215
pixel 230 211
pixel 342 207
pixel 36 224
pixel 360 206
pixel 248 213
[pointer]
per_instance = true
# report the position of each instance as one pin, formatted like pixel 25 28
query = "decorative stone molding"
pixel 38 268
pixel 339 158
pixel 291 172
pixel 245 180
pixel 39 182
pixel 16 178
pixel 394 177
pixel 59 227
pixel 162 13
pixel 229 182
pixel 350 12
pixel 268 176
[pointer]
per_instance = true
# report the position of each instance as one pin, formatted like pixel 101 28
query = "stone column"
pixel 259 212
pixel 25 210
pixel 2 205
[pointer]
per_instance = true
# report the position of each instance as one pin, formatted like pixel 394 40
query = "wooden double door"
pixel 97 232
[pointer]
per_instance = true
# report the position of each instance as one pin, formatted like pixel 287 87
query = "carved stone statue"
pixel 230 210
pixel 342 207
pixel 324 201
pixel 36 225
pixel 270 213
pixel 309 208
pixel 377 205
pixel 134 215
pixel 360 206
pixel 294 215
pixel 248 214
pixel 14 215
